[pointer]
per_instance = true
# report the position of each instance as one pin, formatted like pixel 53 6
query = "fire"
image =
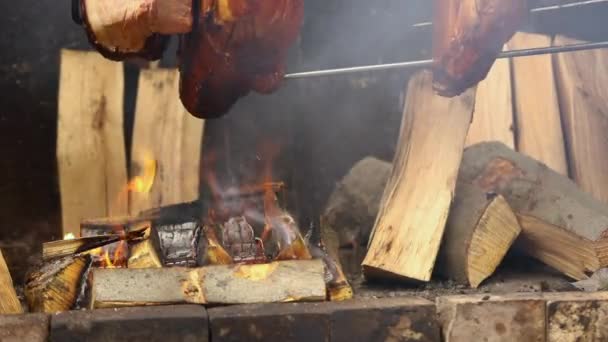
pixel 105 258
pixel 143 182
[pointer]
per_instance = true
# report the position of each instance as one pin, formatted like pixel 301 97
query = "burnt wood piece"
pixel 562 225
pixel 58 285
pixel 115 225
pixel 239 240
pixel 406 237
pixel 9 303
pixel 387 319
pixel 144 255
pixel 284 281
pixel 516 317
pixel 179 244
pixel 151 324
pixel 181 212
pixel 354 203
pixel 480 230
pixel 28 327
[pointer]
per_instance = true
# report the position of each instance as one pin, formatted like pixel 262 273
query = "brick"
pixel 386 319
pixel 577 317
pixel 389 319
pixel 29 327
pixel 283 322
pixel 492 318
pixel 149 324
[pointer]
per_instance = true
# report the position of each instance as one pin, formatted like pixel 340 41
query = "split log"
pixel 539 126
pixel 9 303
pixel 144 255
pixel 562 225
pixel 90 140
pixel 116 225
pixel 480 230
pixel 58 285
pixel 284 281
pixel 63 248
pixel 354 203
pixel 415 204
pixel 164 133
pixel 215 254
pixel 583 94
pixel 493 115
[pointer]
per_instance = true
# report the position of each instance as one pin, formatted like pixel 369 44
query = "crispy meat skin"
pixel 235 47
pixel 467 37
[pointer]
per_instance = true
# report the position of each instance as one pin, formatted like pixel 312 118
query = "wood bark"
pixel 283 281
pixel 539 126
pixel 562 225
pixel 493 115
pixel 90 140
pixel 415 204
pixel 57 285
pixel 167 136
pixel 480 230
pixel 583 94
pixel 9 303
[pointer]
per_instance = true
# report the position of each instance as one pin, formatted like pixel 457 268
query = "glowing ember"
pixel 69 236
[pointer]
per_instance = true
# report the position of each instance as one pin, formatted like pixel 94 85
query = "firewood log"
pixel 58 284
pixel 9 303
pixel 282 281
pixel 144 255
pixel 480 230
pixel 562 225
pixel 415 205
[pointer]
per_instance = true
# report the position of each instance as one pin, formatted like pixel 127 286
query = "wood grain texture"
pixel 415 204
pixel 90 140
pixel 165 132
pixel 562 225
pixel 583 92
pixel 539 126
pixel 9 303
pixel 479 233
pixel 283 281
pixel 493 115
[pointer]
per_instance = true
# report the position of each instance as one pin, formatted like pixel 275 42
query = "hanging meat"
pixel 468 35
pixel 235 46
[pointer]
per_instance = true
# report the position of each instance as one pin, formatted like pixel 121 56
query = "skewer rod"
pixel 428 62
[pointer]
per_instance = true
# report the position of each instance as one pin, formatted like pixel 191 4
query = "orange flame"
pixel 143 183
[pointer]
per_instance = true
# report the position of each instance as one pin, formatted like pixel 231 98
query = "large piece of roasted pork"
pixel 467 37
pixel 236 46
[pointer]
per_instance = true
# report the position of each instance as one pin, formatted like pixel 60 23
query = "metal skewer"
pixel 428 62
pixel 538 9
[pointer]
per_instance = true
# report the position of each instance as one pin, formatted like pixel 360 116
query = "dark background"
pixel 323 125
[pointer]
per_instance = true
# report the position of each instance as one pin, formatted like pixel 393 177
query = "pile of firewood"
pixel 175 254
pixel 453 211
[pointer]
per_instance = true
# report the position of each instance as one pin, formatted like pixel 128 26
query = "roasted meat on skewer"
pixel 236 46
pixel 467 37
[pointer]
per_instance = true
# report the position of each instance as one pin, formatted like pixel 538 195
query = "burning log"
pixel 115 225
pixel 284 281
pixel 480 230
pixel 562 225
pixel 144 255
pixel 58 285
pixel 179 243
pixel 215 254
pixel 415 205
pixel 9 303
pixel 62 248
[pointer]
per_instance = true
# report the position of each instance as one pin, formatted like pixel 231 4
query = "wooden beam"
pixel 415 205
pixel 562 225
pixel 583 93
pixel 90 140
pixel 168 137
pixel 493 115
pixel 539 126
pixel 283 281
pixel 9 302
pixel 480 230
